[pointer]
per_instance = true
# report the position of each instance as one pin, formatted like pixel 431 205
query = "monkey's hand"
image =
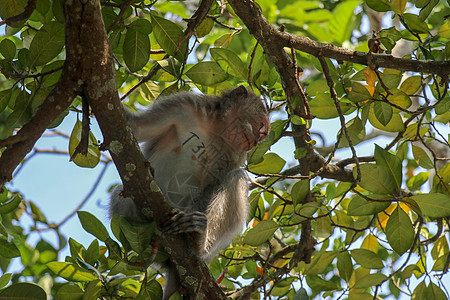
pixel 182 222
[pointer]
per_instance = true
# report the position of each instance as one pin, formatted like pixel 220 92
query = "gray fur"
pixel 196 145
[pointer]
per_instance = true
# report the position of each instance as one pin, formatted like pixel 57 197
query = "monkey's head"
pixel 246 121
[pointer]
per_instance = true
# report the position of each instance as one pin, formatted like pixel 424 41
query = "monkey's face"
pixel 259 131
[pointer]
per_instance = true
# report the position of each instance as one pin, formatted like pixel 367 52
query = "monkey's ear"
pixel 239 92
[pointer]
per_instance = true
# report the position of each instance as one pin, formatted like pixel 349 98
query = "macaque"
pixel 196 145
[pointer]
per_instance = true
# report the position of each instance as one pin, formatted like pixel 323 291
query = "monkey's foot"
pixel 182 222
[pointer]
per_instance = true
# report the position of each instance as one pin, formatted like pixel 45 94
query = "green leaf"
pixel 13 8
pixel 8 249
pixel 70 292
pixel 70 272
pixel 223 41
pixel 395 124
pixel 5 96
pixel 415 24
pixel 320 263
pixel 142 25
pixel 150 290
pixel 359 206
pixel 204 28
pixel 383 112
pixel 136 49
pixel 8 49
pixel 262 232
pixel 207 73
pixel 115 252
pixel 356 131
pixel 422 157
pixel 391 163
pixel 434 205
pixel 345 265
pixel 369 280
pixel 168 35
pixel 318 284
pixel 229 62
pixel 299 191
pixel 379 5
pixel 398 6
pixel 367 259
pixel 343 21
pixel 358 93
pixel 415 182
pixel 92 253
pixel 138 235
pixel 301 294
pixel 272 163
pixel 10 205
pixel 399 231
pixel 375 179
pixel 24 290
pixel 304 211
pixel 411 85
pixel 400 98
pixel 4 279
pixel 323 107
pixel 47 43
pixel 93 225
pixel 93 156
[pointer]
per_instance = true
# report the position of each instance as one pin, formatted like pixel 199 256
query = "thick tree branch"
pixel 86 36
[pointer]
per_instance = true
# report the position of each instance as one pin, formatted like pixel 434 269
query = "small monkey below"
pixel 196 145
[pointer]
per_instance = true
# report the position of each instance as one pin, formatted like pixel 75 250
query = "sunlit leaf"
pixel 272 163
pixel 70 271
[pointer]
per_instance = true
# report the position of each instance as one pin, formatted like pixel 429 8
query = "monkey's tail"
pixel 172 284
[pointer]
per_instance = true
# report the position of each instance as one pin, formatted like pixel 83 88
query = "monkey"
pixel 196 145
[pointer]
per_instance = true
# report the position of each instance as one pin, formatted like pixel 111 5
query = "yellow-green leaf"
pixel 93 155
pixel 272 163
pixel 70 271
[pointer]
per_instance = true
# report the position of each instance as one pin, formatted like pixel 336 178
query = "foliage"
pixel 380 222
